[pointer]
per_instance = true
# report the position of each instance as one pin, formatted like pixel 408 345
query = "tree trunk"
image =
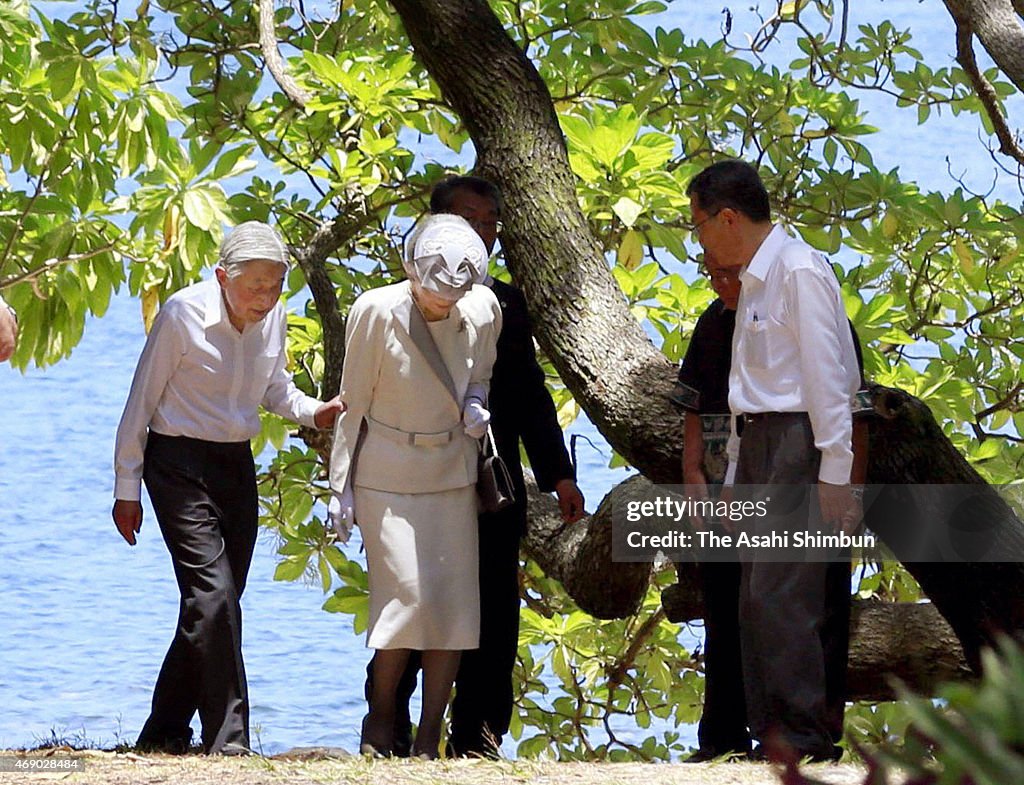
pixel 615 373
pixel 583 322
pixel 999 27
pixel 579 555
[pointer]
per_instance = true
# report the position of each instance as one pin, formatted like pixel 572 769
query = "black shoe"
pixel 365 748
pixel 401 743
pixel 234 748
pixel 167 746
pixel 705 754
pixel 825 756
pixel 479 743
pixel 757 755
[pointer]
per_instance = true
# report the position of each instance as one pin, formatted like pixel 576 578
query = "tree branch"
pixel 272 56
pixel 986 93
pixel 50 264
pixel 999 27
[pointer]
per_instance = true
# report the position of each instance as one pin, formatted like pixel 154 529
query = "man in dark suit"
pixel 521 408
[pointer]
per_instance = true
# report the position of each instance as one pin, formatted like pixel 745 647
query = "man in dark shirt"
pixel 703 394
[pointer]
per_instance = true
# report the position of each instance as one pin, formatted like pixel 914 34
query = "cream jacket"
pixel 391 393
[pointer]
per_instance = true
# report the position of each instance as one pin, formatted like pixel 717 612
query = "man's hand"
pixel 127 517
pixel 328 412
pixel 570 500
pixel 8 332
pixel 839 508
pixel 696 488
pixel 341 513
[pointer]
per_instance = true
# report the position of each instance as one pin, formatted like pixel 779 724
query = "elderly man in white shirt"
pixel 793 378
pixel 215 354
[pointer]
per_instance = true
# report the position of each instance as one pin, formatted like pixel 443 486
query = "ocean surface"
pixel 85 619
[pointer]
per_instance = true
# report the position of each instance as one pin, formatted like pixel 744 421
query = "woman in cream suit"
pixel 418 358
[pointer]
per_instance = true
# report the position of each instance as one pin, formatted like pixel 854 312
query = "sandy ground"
pixel 108 768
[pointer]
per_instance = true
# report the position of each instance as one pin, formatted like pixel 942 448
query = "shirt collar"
pixel 214 309
pixel 761 263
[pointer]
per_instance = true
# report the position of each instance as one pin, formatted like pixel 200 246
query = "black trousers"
pixel 794 616
pixel 482 708
pixel 723 723
pixel 204 495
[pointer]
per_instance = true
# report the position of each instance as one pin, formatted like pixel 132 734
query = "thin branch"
pixel 51 264
pixel 44 170
pixel 272 56
pixel 986 93
pixel 627 660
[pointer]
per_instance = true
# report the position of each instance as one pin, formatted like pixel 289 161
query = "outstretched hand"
pixel 328 412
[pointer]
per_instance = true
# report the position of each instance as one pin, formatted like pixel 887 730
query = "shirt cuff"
pixel 730 474
pixel 306 411
pixel 127 489
pixel 836 469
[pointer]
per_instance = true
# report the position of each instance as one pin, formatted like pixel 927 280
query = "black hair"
pixel 732 183
pixel 443 194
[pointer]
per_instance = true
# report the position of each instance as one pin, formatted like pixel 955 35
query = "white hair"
pixel 248 242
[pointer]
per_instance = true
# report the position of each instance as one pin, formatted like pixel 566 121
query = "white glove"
pixel 341 513
pixel 475 419
pixel 475 416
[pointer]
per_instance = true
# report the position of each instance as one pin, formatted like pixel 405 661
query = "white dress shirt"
pixel 199 377
pixel 792 350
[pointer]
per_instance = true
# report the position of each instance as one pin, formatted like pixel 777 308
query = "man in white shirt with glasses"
pixel 792 383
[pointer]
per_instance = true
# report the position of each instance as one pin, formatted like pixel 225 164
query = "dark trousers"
pixel 204 495
pixel 794 616
pixel 482 708
pixel 723 723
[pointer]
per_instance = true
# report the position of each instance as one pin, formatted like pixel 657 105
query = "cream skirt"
pixel 422 558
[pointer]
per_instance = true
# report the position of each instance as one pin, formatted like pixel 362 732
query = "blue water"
pixel 85 619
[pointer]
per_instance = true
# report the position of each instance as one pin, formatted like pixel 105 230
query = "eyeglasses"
pixel 485 226
pixel 723 276
pixel 695 227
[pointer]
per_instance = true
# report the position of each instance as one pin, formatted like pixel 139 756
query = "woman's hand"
pixel 341 512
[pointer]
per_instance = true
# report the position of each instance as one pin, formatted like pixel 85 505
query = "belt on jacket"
pixel 410 437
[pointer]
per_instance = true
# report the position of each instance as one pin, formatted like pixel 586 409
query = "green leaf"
pixel 61 75
pixel 291 568
pixel 627 210
pixel 198 210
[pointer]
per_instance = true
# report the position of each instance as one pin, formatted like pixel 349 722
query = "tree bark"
pixel 999 27
pixel 1008 144
pixel 583 320
pixel 579 555
pixel 615 373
